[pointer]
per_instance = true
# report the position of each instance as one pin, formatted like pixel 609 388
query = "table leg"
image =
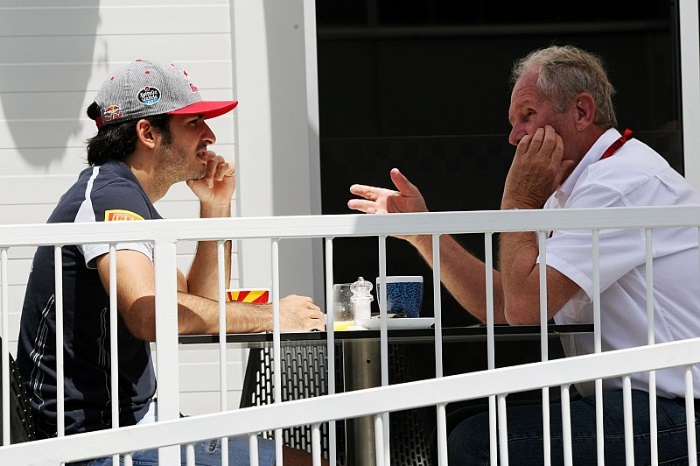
pixel 361 359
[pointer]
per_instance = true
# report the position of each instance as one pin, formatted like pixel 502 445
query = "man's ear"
pixel 146 134
pixel 585 110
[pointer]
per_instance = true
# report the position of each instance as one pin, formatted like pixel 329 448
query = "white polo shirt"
pixel 634 176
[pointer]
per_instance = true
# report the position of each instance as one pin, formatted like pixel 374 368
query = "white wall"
pixel 690 88
pixel 54 54
pixel 275 138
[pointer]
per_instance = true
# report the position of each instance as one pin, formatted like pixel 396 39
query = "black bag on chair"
pixel 21 422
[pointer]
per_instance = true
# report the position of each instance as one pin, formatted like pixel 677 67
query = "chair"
pixel 304 369
pixel 21 422
pixel 304 375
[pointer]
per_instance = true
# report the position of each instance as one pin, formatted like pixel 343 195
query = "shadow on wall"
pixel 44 77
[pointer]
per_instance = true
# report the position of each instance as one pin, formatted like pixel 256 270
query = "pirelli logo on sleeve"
pixel 117 215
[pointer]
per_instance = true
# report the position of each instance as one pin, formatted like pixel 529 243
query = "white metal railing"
pixel 493 383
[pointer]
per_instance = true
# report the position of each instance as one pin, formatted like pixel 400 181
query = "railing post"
pixel 60 368
pixel 223 326
pixel 330 345
pixel 276 342
pixel 165 265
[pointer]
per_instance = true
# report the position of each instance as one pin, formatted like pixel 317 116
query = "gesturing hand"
pixel 381 200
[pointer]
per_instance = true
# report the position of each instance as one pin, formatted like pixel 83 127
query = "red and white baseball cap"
pixel 148 88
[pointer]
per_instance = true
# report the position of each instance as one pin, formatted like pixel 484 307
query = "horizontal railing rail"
pixel 289 227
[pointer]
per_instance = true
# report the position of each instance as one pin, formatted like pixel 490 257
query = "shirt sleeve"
pixel 115 201
pixel 620 250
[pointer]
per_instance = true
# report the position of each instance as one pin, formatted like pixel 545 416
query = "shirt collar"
pixel 592 156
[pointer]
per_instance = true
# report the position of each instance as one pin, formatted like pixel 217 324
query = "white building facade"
pixel 54 56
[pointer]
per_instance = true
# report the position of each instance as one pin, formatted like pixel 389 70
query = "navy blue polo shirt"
pixel 112 192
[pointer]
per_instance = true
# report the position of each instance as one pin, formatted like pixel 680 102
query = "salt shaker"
pixel 361 298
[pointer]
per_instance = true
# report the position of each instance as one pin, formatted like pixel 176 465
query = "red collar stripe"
pixel 617 144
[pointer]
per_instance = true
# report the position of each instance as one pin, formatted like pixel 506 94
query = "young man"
pixel 569 155
pixel 151 134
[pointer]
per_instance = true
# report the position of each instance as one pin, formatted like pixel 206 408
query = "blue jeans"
pixel 207 453
pixel 468 442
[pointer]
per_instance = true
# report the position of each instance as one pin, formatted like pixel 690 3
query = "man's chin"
pixel 198 175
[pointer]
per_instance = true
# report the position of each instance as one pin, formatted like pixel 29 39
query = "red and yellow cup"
pixel 249 295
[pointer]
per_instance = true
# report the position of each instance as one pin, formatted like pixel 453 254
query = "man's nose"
pixel 209 136
pixel 516 134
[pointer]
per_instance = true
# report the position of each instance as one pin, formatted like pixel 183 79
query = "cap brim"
pixel 209 109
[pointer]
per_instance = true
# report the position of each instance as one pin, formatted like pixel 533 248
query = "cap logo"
pixel 149 95
pixel 193 88
pixel 111 113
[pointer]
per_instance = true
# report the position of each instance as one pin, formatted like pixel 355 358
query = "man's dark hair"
pixel 118 141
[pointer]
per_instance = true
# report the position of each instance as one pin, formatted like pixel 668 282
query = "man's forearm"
pixel 463 275
pixel 197 315
pixel 203 277
pixel 520 276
